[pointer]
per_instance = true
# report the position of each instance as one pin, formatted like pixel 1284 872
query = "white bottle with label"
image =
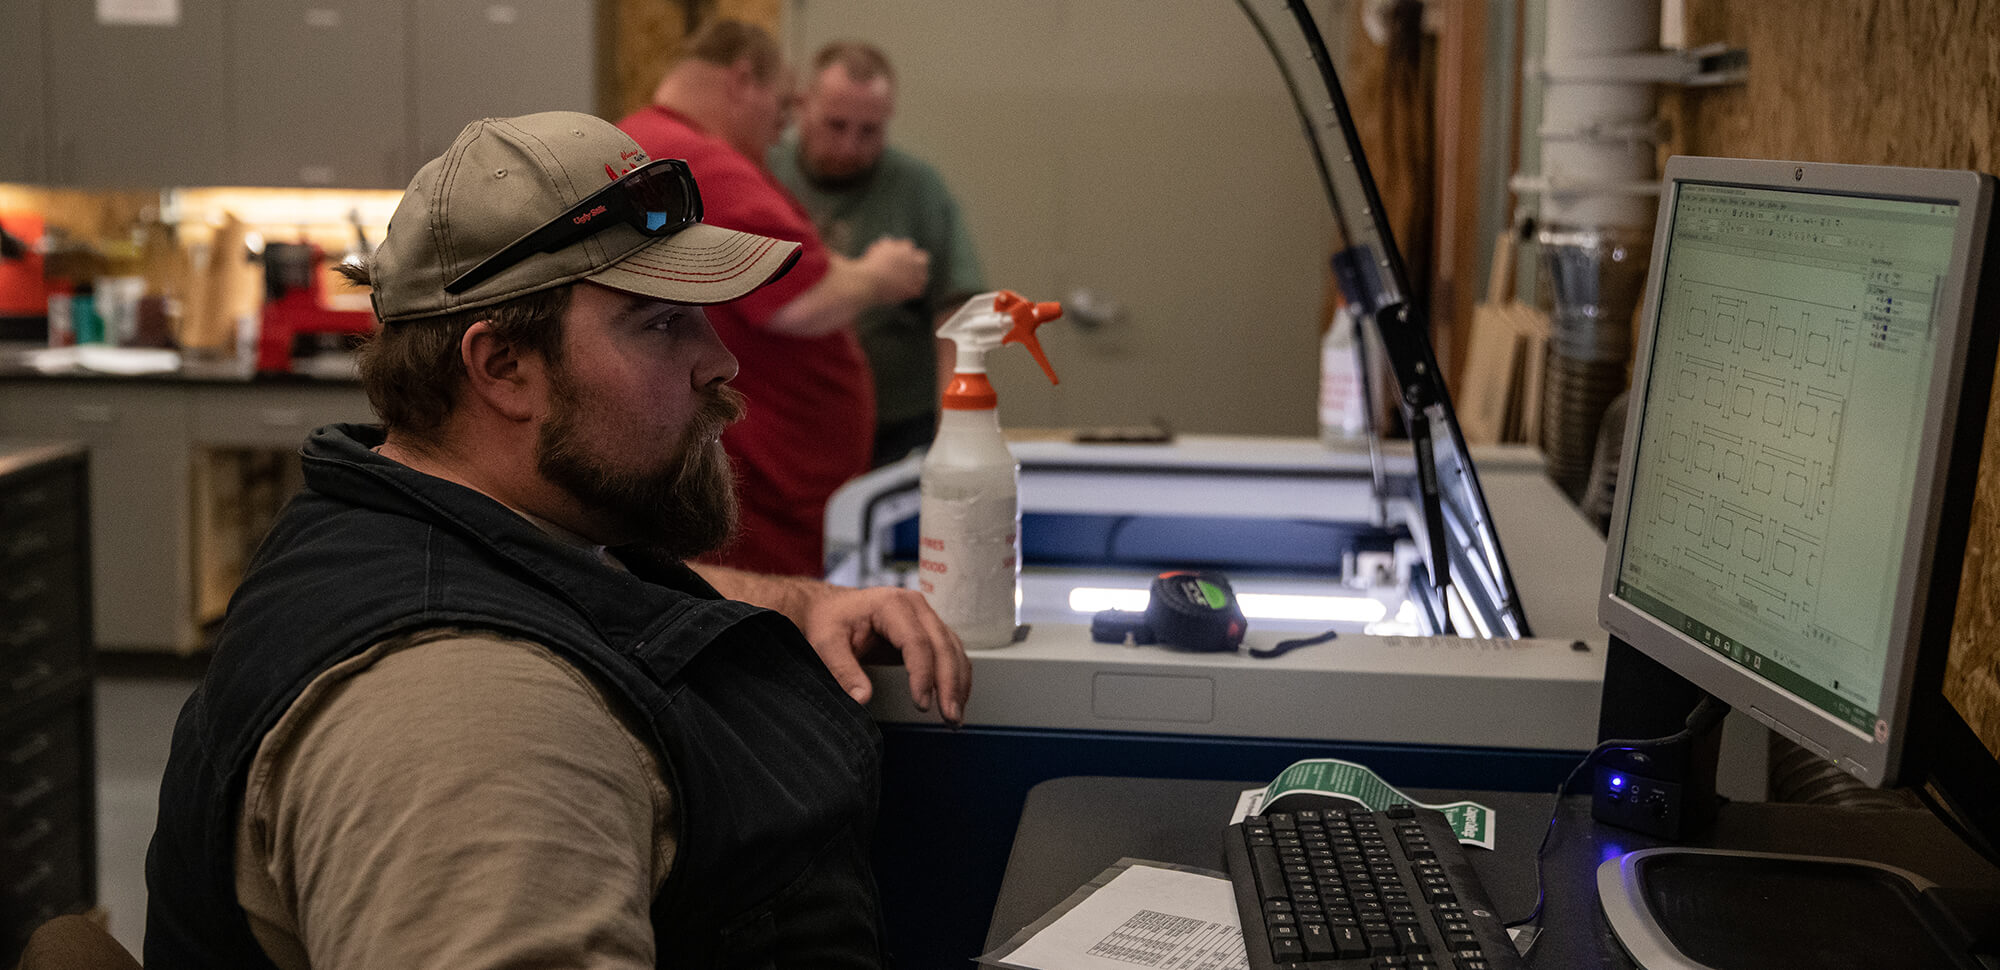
pixel 1343 414
pixel 969 522
pixel 970 525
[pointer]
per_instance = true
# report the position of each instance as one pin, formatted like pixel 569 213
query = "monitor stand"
pixel 1711 909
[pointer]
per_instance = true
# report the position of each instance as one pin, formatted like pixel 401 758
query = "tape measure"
pixel 1189 610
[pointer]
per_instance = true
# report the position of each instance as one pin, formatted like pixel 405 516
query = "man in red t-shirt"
pixel 812 406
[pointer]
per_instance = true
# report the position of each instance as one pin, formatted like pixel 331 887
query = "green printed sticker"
pixel 1344 779
pixel 1217 599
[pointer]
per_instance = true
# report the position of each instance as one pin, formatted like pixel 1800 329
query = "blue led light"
pixel 1617 781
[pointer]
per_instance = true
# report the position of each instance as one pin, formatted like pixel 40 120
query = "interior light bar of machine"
pixel 1090 600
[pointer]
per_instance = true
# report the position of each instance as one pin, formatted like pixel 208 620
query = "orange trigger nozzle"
pixel 1027 316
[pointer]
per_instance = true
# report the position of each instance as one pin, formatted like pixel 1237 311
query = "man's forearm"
pixel 830 304
pixel 790 595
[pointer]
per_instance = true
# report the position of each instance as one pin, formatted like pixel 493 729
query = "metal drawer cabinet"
pixel 41 637
pixel 48 819
pixel 41 754
pixel 38 517
pixel 50 871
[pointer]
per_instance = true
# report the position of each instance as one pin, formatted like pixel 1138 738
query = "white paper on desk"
pixel 1142 916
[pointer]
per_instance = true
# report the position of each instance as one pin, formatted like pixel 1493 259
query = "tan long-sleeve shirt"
pixel 453 800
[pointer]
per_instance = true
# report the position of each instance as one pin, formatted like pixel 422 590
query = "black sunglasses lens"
pixel 664 197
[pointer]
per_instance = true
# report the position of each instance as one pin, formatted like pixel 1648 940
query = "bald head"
pixel 731 79
pixel 844 116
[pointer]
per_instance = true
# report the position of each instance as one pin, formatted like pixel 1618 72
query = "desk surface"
pixel 1073 828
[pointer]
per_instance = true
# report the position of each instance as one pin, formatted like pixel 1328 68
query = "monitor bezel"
pixel 1877 758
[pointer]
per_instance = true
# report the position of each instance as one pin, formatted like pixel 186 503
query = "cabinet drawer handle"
pixel 32 498
pixel 27 794
pixel 26 590
pixel 27 543
pixel 35 833
pixel 41 671
pixel 94 413
pixel 35 745
pixel 27 884
pixel 28 632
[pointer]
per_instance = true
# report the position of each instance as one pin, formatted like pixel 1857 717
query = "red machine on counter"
pixel 295 308
pixel 23 293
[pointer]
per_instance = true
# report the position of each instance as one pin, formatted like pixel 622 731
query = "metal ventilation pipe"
pixel 1598 135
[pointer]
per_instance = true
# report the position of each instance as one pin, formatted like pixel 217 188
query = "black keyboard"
pixel 1330 886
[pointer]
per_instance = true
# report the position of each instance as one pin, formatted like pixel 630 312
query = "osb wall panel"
pixel 1888 82
pixel 644 35
pixel 1874 82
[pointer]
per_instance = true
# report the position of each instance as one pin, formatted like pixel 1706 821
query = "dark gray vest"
pixel 774 769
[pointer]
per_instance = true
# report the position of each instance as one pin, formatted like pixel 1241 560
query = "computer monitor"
pixel 1808 402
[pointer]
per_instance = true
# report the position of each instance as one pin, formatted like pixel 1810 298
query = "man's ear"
pixel 743 80
pixel 500 375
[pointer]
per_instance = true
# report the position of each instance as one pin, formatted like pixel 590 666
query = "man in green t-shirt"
pixel 859 189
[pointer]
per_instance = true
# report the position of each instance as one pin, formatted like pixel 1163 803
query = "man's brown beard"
pixel 682 509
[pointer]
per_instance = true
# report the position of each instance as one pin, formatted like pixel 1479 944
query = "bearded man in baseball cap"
pixel 471 706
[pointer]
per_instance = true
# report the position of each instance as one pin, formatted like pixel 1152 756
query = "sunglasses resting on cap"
pixel 658 198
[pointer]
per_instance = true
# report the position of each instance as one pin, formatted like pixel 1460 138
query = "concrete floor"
pixel 135 720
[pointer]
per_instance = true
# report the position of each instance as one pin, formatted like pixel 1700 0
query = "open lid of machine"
pixel 1468 581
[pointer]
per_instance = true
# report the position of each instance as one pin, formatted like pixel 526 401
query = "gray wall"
pixel 1144 150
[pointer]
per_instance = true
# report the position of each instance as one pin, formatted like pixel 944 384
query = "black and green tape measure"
pixel 1190 610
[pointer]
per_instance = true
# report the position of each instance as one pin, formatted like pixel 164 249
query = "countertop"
pixel 21 361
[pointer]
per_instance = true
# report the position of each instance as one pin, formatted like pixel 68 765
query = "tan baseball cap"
pixel 505 177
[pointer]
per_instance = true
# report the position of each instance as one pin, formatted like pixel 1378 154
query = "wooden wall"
pixel 1883 82
pixel 642 36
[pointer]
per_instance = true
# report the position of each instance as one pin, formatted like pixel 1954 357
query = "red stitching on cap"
pixel 689 275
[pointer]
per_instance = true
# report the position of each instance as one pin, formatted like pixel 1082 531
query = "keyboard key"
pixel 1318 941
pixel 1265 870
pixel 1287 949
pixel 1348 942
pixel 1410 938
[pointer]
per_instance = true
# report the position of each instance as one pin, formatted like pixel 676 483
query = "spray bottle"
pixel 970 520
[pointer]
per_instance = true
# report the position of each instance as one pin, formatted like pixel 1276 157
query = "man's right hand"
pixel 889 272
pixel 897 270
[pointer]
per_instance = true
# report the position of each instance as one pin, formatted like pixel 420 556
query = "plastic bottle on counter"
pixel 969 522
pixel 1343 411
